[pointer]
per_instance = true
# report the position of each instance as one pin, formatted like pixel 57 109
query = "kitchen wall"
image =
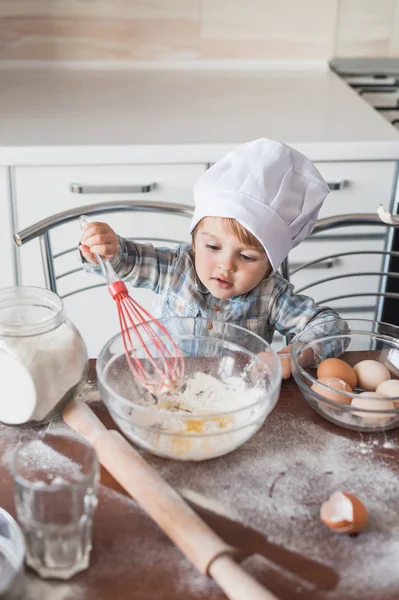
pixel 198 30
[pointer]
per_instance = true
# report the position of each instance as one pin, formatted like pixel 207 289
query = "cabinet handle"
pixel 337 185
pixel 83 188
pixel 326 264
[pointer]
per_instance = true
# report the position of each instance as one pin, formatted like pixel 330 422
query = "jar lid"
pixel 26 311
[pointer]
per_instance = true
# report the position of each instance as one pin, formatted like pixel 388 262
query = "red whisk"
pixel 163 373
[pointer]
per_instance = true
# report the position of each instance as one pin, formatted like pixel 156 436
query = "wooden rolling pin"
pixel 206 550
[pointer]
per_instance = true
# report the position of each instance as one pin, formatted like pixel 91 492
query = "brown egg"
pixel 370 373
pixel 337 384
pixel 335 367
pixel 344 513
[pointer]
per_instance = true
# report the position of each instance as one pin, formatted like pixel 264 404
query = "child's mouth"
pixel 222 283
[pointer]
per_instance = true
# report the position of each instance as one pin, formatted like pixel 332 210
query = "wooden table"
pixel 264 498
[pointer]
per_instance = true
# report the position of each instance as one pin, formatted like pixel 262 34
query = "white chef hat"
pixel 271 189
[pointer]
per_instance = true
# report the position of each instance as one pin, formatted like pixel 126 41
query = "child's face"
pixel 224 265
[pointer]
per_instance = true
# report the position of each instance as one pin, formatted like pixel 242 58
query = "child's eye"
pixel 211 247
pixel 248 258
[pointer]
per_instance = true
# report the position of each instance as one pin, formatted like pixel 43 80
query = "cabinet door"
pixel 357 187
pixel 41 192
pixel 7 275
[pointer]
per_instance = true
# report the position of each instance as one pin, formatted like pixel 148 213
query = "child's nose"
pixel 227 264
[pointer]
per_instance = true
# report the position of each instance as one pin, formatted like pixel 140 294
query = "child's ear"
pixel 268 270
pixel 266 275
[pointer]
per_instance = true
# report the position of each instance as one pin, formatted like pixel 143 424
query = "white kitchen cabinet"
pixel 43 191
pixel 6 256
pixel 357 187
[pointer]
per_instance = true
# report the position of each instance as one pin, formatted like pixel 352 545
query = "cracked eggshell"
pixel 344 513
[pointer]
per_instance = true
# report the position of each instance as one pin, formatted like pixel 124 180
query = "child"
pixel 251 208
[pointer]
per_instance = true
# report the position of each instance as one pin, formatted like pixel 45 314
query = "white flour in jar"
pixel 37 371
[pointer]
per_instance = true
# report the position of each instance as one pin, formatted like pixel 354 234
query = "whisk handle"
pixel 106 267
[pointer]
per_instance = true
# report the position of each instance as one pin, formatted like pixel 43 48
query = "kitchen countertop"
pixel 88 116
pixel 263 499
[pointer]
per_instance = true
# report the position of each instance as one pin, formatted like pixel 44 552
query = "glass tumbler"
pixel 55 488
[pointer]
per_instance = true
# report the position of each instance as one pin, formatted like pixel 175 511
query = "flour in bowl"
pixel 203 394
pixel 207 417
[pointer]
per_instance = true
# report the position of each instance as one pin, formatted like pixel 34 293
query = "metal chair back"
pixel 42 230
pixel 384 274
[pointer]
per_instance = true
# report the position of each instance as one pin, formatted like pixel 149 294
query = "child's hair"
pixel 245 237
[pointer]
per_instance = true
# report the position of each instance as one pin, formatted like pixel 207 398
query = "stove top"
pixel 376 81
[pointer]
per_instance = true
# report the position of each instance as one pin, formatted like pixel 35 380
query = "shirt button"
pixel 179 308
pixel 209 325
pixel 216 307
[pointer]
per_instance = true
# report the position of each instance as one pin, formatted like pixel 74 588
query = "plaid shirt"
pixel 271 306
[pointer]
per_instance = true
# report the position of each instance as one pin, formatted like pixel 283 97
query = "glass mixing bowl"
pixel 227 392
pixel 364 340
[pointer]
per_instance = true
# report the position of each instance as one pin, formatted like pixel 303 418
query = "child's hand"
pixel 98 238
pixel 285 359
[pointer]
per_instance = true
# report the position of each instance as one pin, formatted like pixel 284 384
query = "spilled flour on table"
pixel 11 436
pixel 40 456
pixel 275 485
pixel 145 552
pixel 209 503
pixel 89 394
pixel 39 589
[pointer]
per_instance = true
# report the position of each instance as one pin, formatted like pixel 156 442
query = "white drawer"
pixel 352 264
pixel 42 192
pixel 364 185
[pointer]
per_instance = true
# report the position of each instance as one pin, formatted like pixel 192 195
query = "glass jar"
pixel 43 358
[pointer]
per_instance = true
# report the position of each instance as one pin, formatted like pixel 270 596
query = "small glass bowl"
pixel 222 350
pixel 12 558
pixel 363 340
